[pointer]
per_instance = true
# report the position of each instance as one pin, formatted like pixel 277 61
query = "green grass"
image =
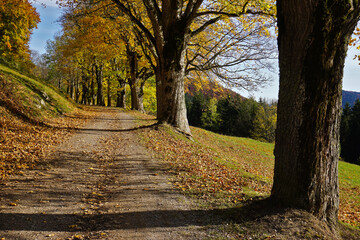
pixel 251 160
pixel 256 159
pixel 244 154
pixel 225 172
pixel 40 99
pixel 349 175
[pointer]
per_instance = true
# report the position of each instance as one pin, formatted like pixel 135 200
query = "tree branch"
pixel 205 25
pixel 251 12
pixel 135 20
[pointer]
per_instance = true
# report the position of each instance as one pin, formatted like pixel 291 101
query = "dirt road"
pixel 100 184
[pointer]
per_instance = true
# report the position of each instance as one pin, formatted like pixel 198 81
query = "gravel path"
pixel 99 184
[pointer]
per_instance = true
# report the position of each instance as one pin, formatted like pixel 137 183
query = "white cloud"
pixel 47 3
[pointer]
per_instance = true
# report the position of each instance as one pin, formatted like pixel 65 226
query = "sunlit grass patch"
pixel 40 99
pixel 349 178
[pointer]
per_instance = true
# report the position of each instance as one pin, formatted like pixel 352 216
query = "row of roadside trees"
pixel 106 45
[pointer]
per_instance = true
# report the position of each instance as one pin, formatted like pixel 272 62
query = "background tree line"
pixel 233 115
pixel 350 133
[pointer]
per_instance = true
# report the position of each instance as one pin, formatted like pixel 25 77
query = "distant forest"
pixel 350 133
pixel 231 114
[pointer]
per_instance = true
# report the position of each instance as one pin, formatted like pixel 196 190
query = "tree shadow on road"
pixel 133 220
pixel 256 219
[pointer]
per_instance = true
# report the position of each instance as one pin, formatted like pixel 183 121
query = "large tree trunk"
pixel 133 59
pixel 141 96
pixel 169 36
pixel 85 89
pixel 99 80
pixel 109 92
pixel 92 89
pixel 77 90
pixel 134 94
pixel 121 93
pixel 313 40
pixel 170 74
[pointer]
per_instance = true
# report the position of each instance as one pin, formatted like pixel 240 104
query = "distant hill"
pixel 210 89
pixel 350 97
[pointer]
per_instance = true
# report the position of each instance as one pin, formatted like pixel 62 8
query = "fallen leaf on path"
pixel 74 226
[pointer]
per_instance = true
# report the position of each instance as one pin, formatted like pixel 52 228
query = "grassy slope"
pixel 257 158
pixel 36 98
pixel 213 166
pixel 28 109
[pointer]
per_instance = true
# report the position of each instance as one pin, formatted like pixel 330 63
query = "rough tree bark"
pixel 170 73
pixel 313 40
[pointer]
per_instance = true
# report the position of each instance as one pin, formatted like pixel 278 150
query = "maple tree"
pixel 170 32
pixel 17 20
pixel 139 63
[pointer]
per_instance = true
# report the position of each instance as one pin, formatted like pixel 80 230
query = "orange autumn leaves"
pixel 23 145
pixel 198 172
pixel 24 139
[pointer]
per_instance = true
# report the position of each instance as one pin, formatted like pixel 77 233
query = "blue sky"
pixel 48 27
